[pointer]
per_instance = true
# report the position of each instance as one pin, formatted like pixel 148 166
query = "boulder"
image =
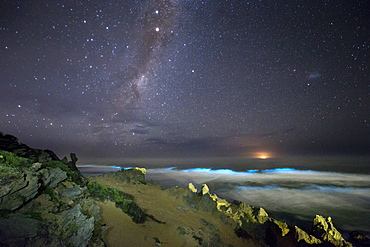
pixel 134 175
pixel 360 238
pixel 208 224
pixel 201 237
pixel 191 199
pixel 19 191
pixel 73 192
pixel 15 229
pixel 76 227
pixel 52 177
pixel 302 236
pixel 207 203
pixel 324 229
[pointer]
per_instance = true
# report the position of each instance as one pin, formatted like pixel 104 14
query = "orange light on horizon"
pixel 262 155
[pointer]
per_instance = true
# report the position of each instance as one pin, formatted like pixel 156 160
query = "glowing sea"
pixel 290 192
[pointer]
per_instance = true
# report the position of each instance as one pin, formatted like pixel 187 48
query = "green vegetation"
pixel 57 164
pixel 4 213
pixel 11 165
pixel 123 200
pixel 157 240
pixel 9 171
pixel 33 215
pixel 49 191
pixel 11 160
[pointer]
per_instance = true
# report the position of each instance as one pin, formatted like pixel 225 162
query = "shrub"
pixel 123 200
pixel 10 159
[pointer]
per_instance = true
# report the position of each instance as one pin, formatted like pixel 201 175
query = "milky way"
pixel 154 31
pixel 171 78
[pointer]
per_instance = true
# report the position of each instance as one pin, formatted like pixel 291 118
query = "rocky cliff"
pixel 43 201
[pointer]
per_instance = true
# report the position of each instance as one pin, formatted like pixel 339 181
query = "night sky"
pixel 186 78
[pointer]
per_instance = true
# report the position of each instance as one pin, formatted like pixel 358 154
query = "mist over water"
pixel 291 192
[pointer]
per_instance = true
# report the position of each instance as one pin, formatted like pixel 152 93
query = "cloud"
pixel 211 146
pixel 269 134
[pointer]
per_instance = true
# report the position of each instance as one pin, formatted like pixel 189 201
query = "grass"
pixel 11 160
pixel 33 215
pixel 123 200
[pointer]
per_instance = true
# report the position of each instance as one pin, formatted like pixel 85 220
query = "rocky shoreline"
pixel 45 201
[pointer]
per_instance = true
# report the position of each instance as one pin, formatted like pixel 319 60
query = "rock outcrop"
pixel 360 238
pixel 324 229
pixel 44 203
pixel 255 223
pixel 134 175
pixel 10 143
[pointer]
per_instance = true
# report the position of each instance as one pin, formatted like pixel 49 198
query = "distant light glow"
pixel 262 155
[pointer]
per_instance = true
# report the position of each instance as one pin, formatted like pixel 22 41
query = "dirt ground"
pixel 182 227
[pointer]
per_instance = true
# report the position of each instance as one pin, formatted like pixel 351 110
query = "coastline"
pixel 328 194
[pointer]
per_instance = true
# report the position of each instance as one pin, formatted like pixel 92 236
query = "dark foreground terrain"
pixel 45 201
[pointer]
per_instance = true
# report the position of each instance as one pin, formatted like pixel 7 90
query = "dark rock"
pixel 10 143
pixel 176 191
pixel 16 228
pixel 19 191
pixel 135 175
pixel 52 177
pixel 73 158
pixel 324 229
pixel 215 241
pixel 182 209
pixel 360 238
pixel 208 224
pixel 207 203
pixel 72 192
pixel 181 230
pixel 224 218
pixel 192 198
pixel 28 185
pixel 241 233
pixel 50 155
pixel 40 203
pixel 78 228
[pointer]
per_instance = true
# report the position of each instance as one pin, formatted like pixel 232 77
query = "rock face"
pixel 10 143
pixel 324 229
pixel 44 203
pixel 26 186
pixel 74 219
pixel 135 175
pixel 360 238
pixel 254 223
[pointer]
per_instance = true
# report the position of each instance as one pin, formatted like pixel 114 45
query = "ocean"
pixel 291 190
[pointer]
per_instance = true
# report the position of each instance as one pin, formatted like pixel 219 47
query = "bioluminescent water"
pixel 289 194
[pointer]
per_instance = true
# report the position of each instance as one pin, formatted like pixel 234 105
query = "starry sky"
pixel 186 78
